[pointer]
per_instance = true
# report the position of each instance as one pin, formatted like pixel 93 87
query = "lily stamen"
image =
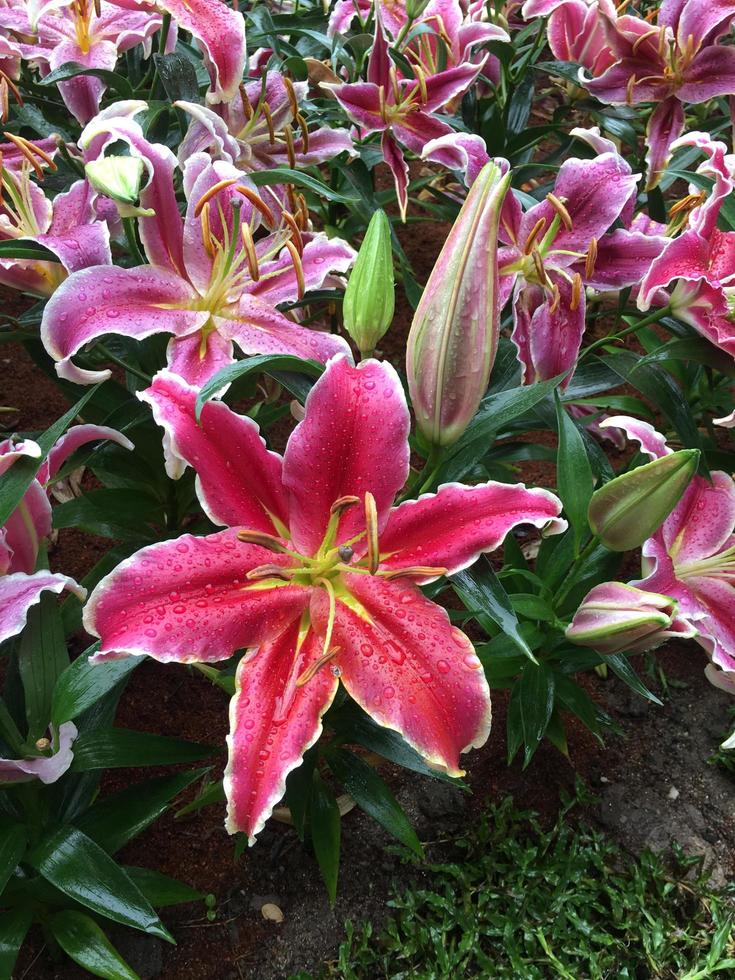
pixel 210 193
pixel 251 256
pixel 266 110
pixel 288 140
pixel 577 290
pixel 291 93
pixel 533 235
pixel 295 231
pixel 417 571
pixel 560 208
pixel 304 132
pixel 298 268
pixel 591 259
pixel 270 571
pixel 257 201
pixel 371 525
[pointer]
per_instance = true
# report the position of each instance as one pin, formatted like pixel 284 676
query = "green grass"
pixel 510 900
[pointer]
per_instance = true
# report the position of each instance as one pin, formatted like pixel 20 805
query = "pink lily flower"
pixel 21 585
pixel 209 283
pixel 676 61
pixel 401 109
pixel 575 31
pixel 692 556
pixel 263 129
pixel 700 261
pixel 46 768
pixel 317 575
pixel 53 33
pixel 68 226
pixel 564 245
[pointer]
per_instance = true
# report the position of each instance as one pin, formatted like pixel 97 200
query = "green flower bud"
pixel 630 508
pixel 369 299
pixel 118 178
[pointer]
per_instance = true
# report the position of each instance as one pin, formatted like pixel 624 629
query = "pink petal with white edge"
pixel 321 256
pixel 107 299
pixel 465 152
pixel 188 601
pixel 413 672
pixel 354 439
pixel 664 126
pixel 261 329
pixel 453 527
pixel 238 479
pixel 396 161
pixel 46 768
pixel 272 723
pixel 702 523
pixel 199 356
pixel 220 32
pixel 75 438
pixel 361 102
pixel 652 443
pixel 11 451
pixel 623 258
pixel 19 592
pixel 82 94
pixel 547 341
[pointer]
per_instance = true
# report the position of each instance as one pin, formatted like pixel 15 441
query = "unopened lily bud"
pixel 454 334
pixel 630 508
pixel 118 178
pixel 615 617
pixel 369 299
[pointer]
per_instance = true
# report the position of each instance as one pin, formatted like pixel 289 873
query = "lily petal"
pixel 46 768
pixel 19 592
pixel 261 329
pixel 188 601
pixel 547 339
pixel 107 299
pixel 272 723
pixel 238 479
pixel 354 439
pixel 413 672
pixel 453 527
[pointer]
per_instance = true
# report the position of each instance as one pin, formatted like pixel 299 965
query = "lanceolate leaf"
pixel 14 924
pixel 81 684
pixel 373 796
pixel 82 870
pixel 42 657
pixel 325 833
pixel 82 939
pixel 481 591
pixel 264 363
pixel 573 473
pixel 116 748
pixel 13 839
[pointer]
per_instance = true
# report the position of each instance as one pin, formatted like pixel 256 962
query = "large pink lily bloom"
pixel 68 226
pixel 50 764
pixel 563 246
pixel 692 556
pixel 700 261
pixel 317 575
pixel 53 33
pixel 21 586
pixel 209 283
pixel 401 109
pixel 678 60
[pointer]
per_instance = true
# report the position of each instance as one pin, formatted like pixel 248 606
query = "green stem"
pixel 425 476
pixel 132 240
pixel 645 322
pixel 124 364
pixel 567 582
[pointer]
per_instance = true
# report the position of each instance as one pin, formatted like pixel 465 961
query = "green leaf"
pixel 118 818
pixel 495 412
pixel 481 591
pixel 82 939
pixel 284 175
pixel 160 890
pixel 325 833
pixel 534 693
pixel 298 791
pixel 17 480
pixel 620 666
pixel 13 840
pixel 178 76
pixel 26 248
pixel 117 748
pixel 82 684
pixel 42 657
pixel 372 795
pixel 573 473
pixel 79 868
pixel 71 69
pixel 125 515
pixel 14 924
pixel 264 363
pixel 357 727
